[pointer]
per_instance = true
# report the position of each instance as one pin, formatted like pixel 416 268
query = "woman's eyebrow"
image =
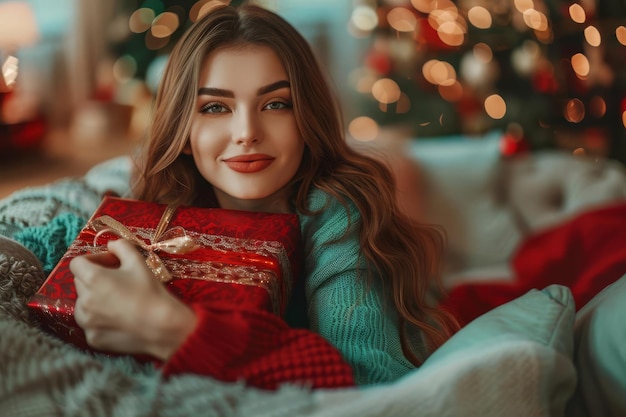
pixel 220 92
pixel 210 91
pixel 272 87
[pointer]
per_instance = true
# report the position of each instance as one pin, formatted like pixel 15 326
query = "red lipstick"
pixel 249 163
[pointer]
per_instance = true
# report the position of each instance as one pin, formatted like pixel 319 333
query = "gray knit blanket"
pixel 42 376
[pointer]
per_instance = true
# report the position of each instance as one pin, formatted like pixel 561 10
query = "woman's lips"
pixel 249 163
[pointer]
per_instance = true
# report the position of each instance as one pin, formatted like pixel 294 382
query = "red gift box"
pixel 239 258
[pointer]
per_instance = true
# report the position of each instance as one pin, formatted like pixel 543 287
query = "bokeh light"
pixel 478 70
pixel 545 36
pixel 495 106
pixel 362 79
pixel 427 72
pixel 386 91
pixel 141 20
pixel 483 52
pixel 592 36
pixel 202 7
pixel 363 129
pixel 443 73
pixel 451 33
pixel 424 6
pixel 523 5
pixel 124 68
pixel 525 58
pixel 439 72
pixel 452 92
pixel 580 65
pixel 402 19
pixel 10 69
pixel 536 20
pixel 449 24
pixel 479 17
pixel 577 13
pixel 165 25
pixel 620 34
pixel 574 110
pixel 364 18
pixel 153 43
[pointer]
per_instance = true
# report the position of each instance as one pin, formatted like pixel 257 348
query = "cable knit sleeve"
pixel 342 308
pixel 235 343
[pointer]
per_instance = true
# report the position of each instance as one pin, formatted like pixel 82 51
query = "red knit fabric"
pixel 231 343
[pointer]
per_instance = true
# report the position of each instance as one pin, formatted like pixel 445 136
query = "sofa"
pixel 516 359
pixel 488 202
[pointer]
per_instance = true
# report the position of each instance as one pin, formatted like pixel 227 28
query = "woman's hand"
pixel 123 308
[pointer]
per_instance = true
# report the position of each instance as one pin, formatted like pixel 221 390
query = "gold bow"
pixel 180 244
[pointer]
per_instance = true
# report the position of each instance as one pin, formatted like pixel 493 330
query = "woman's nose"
pixel 246 128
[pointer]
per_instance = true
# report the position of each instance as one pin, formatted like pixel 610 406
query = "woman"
pixel 244 119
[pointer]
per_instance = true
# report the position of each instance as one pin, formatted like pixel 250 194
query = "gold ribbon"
pixel 179 244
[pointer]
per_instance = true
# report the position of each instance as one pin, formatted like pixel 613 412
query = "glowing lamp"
pixel 18 29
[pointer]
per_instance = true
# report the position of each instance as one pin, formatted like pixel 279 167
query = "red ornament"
pixel 427 35
pixel 511 145
pixel 378 61
pixel 543 81
pixel 21 136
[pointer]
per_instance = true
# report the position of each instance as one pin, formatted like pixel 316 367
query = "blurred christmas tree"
pixel 150 28
pixel 548 71
pixel 140 36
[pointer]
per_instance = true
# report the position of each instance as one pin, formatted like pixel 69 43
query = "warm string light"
pixel 363 129
pixel 620 34
pixel 441 25
pixel 445 28
pixel 160 25
pixel 8 71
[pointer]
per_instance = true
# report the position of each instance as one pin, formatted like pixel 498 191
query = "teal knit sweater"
pixel 340 306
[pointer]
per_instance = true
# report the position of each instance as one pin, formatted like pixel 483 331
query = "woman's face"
pixel 244 137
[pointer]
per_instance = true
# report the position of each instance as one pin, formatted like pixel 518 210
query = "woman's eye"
pixel 277 105
pixel 213 108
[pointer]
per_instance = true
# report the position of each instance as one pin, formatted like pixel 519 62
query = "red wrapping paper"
pixel 244 258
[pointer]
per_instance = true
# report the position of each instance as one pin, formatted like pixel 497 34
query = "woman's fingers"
pixel 83 316
pixel 126 252
pixel 105 259
pixel 126 309
pixel 85 271
pixel 120 253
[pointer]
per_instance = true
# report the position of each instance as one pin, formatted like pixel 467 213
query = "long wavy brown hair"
pixel 404 255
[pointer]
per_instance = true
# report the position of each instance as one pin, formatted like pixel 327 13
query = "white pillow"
pixel 513 361
pixel 464 192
